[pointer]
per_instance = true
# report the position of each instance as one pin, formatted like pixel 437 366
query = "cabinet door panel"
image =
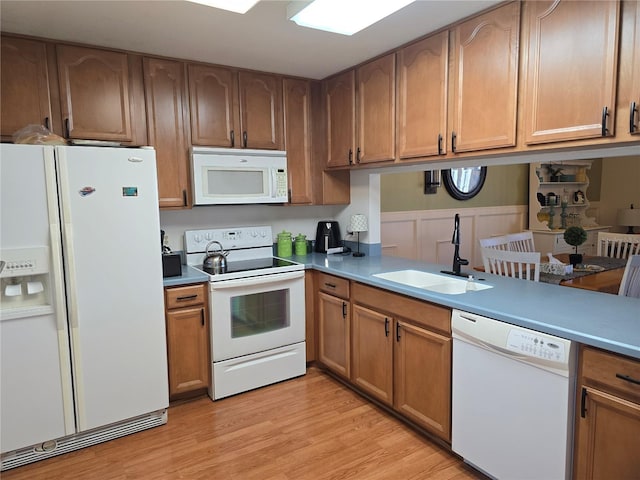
pixel 423 378
pixel 373 353
pixel 340 100
pixel 376 110
pixel 166 119
pixel 608 437
pixel 24 85
pixel 188 350
pixel 94 93
pixel 213 102
pixel 422 97
pixel 484 78
pixel 297 118
pixel 261 110
pixel 334 319
pixel 564 100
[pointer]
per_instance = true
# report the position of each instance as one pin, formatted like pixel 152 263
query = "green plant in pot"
pixel 575 236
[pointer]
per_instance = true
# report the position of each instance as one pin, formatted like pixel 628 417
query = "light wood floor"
pixel 311 427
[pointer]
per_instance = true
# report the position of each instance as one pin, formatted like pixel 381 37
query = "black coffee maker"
pixel 327 236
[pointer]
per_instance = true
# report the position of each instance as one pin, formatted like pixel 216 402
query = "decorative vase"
pixel 575 258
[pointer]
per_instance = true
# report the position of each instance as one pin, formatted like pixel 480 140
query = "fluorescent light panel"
pixel 237 6
pixel 346 16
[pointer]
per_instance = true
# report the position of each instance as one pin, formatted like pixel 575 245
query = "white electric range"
pixel 257 310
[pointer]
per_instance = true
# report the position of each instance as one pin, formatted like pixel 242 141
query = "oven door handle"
pixel 259 280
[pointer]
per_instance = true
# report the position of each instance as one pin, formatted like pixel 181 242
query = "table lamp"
pixel 358 224
pixel 629 217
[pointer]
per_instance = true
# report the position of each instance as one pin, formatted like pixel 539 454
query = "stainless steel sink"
pixel 432 282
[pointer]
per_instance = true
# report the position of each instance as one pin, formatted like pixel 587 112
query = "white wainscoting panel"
pixel 426 234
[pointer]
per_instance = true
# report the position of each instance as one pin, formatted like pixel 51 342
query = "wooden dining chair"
pixel 498 243
pixel 617 245
pixel 523 265
pixel 630 284
pixel 521 242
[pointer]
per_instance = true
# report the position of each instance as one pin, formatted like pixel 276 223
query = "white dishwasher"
pixel 513 395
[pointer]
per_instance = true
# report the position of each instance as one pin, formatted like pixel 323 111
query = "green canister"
pixel 301 244
pixel 284 244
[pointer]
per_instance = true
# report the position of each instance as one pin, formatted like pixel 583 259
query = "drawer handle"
pixel 188 297
pixel 330 285
pixel 627 378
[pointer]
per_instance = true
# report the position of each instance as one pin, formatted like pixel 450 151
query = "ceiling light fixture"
pixel 237 6
pixel 342 16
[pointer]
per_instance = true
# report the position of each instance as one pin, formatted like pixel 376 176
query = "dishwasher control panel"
pixel 534 344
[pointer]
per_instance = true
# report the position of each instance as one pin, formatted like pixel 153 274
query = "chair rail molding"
pixel 426 234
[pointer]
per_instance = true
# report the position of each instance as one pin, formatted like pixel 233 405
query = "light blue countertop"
pixel 598 319
pixel 189 275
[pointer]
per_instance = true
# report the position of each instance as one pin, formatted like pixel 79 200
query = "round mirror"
pixel 464 183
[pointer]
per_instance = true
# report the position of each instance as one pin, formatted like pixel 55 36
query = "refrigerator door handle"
pixel 56 247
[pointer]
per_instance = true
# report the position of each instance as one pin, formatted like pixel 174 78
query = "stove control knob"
pixel 254 234
pixel 208 236
pixel 197 238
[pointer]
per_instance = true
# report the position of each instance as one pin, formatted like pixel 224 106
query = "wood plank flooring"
pixel 312 427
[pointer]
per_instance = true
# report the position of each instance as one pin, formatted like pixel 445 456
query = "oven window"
pixel 259 313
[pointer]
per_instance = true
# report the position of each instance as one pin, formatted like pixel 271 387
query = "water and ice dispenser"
pixel 24 278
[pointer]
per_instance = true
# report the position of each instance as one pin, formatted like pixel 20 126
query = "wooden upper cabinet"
pixel 213 102
pixel 570 70
pixel 340 98
pixel 94 93
pixel 297 119
pixel 629 73
pixel 376 100
pixel 484 80
pixel 260 110
pixel 422 97
pixel 167 120
pixel 24 85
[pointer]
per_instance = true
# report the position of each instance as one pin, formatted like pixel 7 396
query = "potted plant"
pixel 575 236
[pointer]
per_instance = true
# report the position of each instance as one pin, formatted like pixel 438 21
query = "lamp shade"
pixel 358 223
pixel 629 217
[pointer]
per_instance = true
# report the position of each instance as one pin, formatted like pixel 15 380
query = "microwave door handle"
pixel 273 183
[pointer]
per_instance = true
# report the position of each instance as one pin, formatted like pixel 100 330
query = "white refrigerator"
pixel 82 332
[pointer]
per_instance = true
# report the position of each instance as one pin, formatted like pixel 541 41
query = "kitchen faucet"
pixel 455 240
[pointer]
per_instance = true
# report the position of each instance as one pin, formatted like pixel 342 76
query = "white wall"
pixel 294 219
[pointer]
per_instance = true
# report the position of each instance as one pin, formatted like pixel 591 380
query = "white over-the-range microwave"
pixel 227 176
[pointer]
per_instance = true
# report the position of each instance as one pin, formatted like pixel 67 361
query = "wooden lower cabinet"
pixel 334 325
pixel 607 417
pixel 422 372
pixel 396 350
pixel 188 351
pixel 373 353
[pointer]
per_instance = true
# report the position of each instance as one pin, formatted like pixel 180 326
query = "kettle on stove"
pixel 327 236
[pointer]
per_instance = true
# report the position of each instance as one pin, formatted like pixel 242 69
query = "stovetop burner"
pixel 250 252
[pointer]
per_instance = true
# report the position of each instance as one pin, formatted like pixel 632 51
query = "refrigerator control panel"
pixel 24 261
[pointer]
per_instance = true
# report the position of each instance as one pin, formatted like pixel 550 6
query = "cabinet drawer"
pixel 187 296
pixel 616 372
pixel 333 285
pixel 422 313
